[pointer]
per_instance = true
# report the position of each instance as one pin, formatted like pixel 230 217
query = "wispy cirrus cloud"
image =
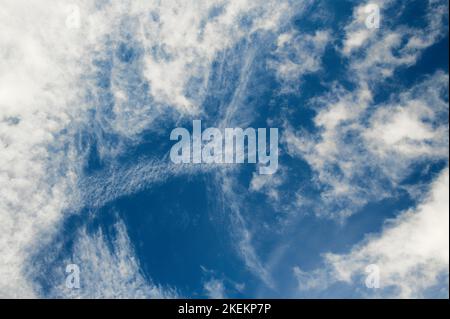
pixel 108 269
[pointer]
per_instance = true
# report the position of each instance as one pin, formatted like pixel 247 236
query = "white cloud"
pixel 412 251
pixel 105 186
pixel 413 127
pixel 107 272
pixel 356 39
pixel 356 136
pixel 375 53
pixel 49 81
pixel 268 184
pixel 215 289
pixel 308 281
pixel 296 55
pixel 357 34
pixel 187 39
pixel 37 101
pixel 242 235
pixel 43 92
pixel 346 147
pixel 173 46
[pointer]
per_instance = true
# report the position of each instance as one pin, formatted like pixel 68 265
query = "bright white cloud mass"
pixel 412 250
pixel 90 91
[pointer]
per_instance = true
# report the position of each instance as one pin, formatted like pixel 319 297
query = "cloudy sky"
pixel 90 91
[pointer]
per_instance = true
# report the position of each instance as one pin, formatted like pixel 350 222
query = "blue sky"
pixel 90 91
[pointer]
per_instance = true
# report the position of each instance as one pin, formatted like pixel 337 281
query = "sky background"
pixel 90 91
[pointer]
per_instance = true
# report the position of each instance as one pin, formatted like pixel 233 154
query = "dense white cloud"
pixel 37 101
pixel 412 251
pixel 415 125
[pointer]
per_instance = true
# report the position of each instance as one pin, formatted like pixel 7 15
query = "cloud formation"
pixel 411 251
pixel 100 77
